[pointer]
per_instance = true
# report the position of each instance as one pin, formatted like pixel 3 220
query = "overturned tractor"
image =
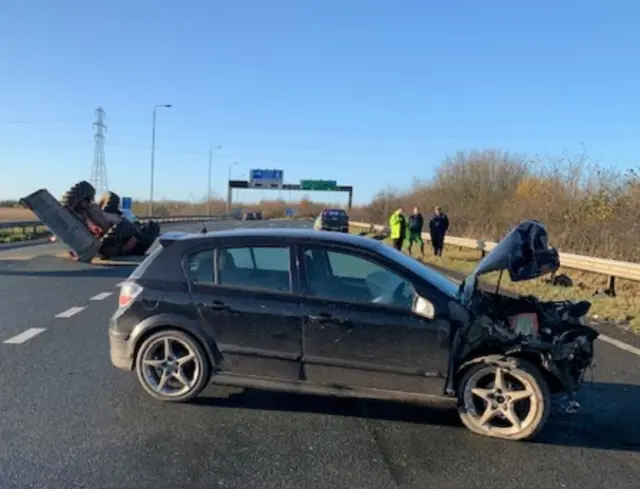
pixel 91 227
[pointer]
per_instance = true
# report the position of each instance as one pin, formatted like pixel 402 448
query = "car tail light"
pixel 128 293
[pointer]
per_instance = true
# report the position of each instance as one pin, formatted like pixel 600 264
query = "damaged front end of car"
pixel 551 334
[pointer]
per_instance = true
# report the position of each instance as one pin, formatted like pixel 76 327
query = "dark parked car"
pixel 249 216
pixel 344 315
pixel 332 220
pixel 258 216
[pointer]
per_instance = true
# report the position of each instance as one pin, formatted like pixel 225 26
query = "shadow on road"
pixel 54 267
pixel 609 411
pixel 304 403
pixel 117 272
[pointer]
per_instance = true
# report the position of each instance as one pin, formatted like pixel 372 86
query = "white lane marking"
pixel 120 284
pixel 72 311
pixel 620 344
pixel 101 296
pixel 24 336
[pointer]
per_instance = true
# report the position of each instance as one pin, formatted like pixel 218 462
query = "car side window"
pixel 200 266
pixel 348 277
pixel 259 267
pixel 241 257
pixel 350 266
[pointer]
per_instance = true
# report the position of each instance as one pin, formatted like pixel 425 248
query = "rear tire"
pixel 81 192
pixel 491 383
pixel 154 363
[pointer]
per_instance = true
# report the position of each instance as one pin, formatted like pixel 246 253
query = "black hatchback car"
pixel 332 220
pixel 344 315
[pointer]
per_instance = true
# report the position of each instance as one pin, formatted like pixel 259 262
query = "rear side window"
pixel 259 267
pixel 140 269
pixel 201 267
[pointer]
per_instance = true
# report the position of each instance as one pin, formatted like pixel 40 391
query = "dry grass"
pixel 10 211
pixel 269 208
pixel 15 214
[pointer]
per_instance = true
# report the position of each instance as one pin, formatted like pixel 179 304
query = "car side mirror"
pixel 424 308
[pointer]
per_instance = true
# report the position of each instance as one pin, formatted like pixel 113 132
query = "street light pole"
pixel 153 154
pixel 210 166
pixel 209 191
pixel 229 190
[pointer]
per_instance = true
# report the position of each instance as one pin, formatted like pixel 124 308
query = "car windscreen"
pixel 441 282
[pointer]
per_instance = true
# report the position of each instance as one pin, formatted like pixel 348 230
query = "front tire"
pixel 507 399
pixel 172 366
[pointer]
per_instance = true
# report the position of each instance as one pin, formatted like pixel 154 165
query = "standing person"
pixel 416 223
pixel 398 225
pixel 438 228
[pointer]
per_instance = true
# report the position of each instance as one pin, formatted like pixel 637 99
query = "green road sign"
pixel 318 184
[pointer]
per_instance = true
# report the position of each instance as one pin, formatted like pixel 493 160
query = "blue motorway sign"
pixel 126 203
pixel 267 178
pixel 290 212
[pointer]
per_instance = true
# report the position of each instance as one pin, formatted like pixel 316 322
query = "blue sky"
pixel 365 92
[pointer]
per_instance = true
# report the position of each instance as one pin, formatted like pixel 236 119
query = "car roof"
pixel 285 234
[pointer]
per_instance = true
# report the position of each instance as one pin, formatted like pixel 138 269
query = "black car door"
pixel 364 333
pixel 250 305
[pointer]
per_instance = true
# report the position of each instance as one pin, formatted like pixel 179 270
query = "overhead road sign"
pixel 260 178
pixel 318 185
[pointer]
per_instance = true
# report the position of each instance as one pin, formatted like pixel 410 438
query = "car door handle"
pixel 324 317
pixel 217 305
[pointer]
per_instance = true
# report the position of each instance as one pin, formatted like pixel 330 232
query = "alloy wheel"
pixel 510 403
pixel 172 366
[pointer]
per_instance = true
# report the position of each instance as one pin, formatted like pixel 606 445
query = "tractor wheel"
pixel 81 192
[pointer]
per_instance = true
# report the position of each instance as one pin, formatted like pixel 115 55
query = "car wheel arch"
pixel 166 322
pixel 506 359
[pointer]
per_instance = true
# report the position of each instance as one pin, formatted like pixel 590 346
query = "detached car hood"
pixel 524 252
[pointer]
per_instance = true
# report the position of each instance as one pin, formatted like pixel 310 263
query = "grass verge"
pixel 623 310
pixel 14 235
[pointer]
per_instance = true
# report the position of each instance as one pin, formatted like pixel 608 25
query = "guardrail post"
pixel 612 286
pixel 481 247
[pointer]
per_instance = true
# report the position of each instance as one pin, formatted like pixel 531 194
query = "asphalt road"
pixel 68 419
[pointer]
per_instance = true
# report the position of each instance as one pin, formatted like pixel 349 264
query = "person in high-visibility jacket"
pixel 398 225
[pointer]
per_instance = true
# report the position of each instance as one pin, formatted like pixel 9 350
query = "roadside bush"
pixel 587 209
